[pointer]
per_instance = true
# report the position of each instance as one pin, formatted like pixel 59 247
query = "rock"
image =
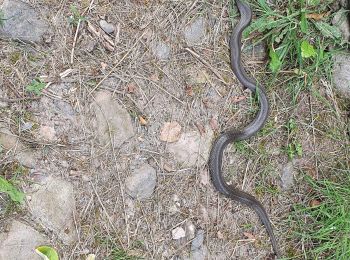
pixel 192 149
pixel 112 121
pixel 341 74
pixel 342 22
pixel 8 141
pixel 178 233
pixel 195 32
pixel 190 230
pixel 256 51
pixel 22 22
pixel 20 242
pixel 198 250
pixel 47 133
pixel 287 177
pixel 3 104
pixel 140 185
pixel 52 205
pixel 161 50
pixel 170 132
pixel 107 27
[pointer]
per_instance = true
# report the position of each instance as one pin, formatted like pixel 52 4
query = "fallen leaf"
pixel 214 124
pixel 316 16
pixel 189 90
pixel 167 167
pixel 154 77
pixel 170 132
pixel 315 203
pixel 220 235
pixel 131 88
pixel 47 253
pixel 249 236
pixel 143 121
pixel 104 65
pixel 237 99
pixel 201 128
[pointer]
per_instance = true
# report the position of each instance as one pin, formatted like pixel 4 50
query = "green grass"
pixel 2 18
pixel 324 229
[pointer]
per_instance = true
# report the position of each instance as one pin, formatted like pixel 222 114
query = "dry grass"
pixel 107 220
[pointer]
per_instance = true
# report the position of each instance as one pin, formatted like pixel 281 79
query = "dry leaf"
pixel 214 124
pixel 317 17
pixel 201 128
pixel 249 236
pixel 154 77
pixel 189 90
pixel 143 121
pixel 170 132
pixel 315 203
pixel 220 235
pixel 131 88
pixel 237 99
pixel 167 167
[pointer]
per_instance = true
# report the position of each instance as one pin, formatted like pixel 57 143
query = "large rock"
pixel 113 123
pixel 341 74
pixel 53 205
pixel 22 22
pixel 193 148
pixel 20 242
pixel 342 22
pixel 140 185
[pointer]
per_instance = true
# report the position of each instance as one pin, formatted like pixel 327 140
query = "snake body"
pixel 232 135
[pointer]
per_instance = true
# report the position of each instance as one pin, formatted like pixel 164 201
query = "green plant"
pixel 323 222
pixel 47 253
pixel 36 87
pixel 120 254
pixel 76 17
pixel 293 148
pixel 2 18
pixel 11 190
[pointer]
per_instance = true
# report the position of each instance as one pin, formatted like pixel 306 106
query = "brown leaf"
pixel 214 124
pixel 143 121
pixel 249 236
pixel 154 77
pixel 201 128
pixel 170 132
pixel 167 167
pixel 316 16
pixel 189 90
pixel 315 203
pixel 131 87
pixel 237 99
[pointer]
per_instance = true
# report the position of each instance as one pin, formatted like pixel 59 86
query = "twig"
pixel 196 55
pixel 74 42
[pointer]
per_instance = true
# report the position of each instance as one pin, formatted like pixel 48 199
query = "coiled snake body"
pixel 215 160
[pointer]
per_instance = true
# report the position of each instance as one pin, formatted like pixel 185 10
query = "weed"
pixel 120 254
pixel 36 87
pixel 293 147
pixel 323 226
pixel 11 190
pixel 76 17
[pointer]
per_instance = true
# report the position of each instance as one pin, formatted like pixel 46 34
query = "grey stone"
pixel 20 242
pixel 341 74
pixel 22 22
pixel 195 32
pixel 112 121
pixel 53 205
pixel 140 185
pixel 256 51
pixel 161 50
pixel 287 176
pixel 198 250
pixel 192 149
pixel 342 22
pixel 25 156
pixel 3 104
pixel 107 27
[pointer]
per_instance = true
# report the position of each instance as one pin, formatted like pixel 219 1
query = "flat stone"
pixel 192 149
pixel 198 250
pixel 24 155
pixel 20 242
pixel 107 27
pixel 287 176
pixel 22 22
pixel 256 51
pixel 341 74
pixel 342 22
pixel 53 205
pixel 141 184
pixel 113 123
pixel 195 32
pixel 161 50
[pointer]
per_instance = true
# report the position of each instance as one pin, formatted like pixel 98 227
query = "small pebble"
pixel 178 233
pixel 107 27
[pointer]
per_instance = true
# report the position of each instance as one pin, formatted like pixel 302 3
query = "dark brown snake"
pixel 232 135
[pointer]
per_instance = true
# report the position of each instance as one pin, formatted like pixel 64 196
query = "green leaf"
pixel 303 23
pixel 11 190
pixel 313 2
pixel 328 30
pixel 307 50
pixel 275 62
pixel 36 87
pixel 47 253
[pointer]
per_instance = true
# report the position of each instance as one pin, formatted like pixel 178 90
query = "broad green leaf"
pixel 261 25
pixel 36 86
pixel 307 50
pixel 275 62
pixel 11 190
pixel 303 23
pixel 47 253
pixel 328 30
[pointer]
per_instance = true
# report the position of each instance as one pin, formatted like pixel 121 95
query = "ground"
pixel 91 151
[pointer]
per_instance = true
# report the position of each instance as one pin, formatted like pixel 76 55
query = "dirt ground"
pixel 149 72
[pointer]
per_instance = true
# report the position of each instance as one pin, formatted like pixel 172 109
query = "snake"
pixel 233 135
